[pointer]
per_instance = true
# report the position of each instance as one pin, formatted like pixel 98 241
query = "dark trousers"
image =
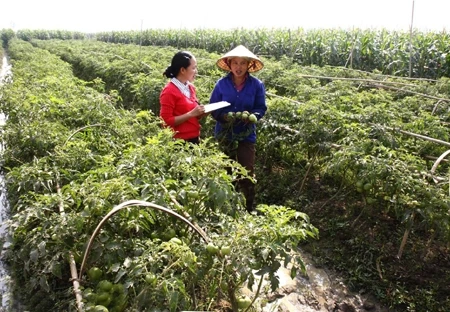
pixel 245 155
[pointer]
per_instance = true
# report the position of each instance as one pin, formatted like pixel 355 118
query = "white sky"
pixel 101 15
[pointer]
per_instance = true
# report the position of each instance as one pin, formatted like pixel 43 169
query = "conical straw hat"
pixel 255 64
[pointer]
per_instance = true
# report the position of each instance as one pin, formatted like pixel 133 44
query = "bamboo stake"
pixel 379 84
pixel 72 264
pixel 410 40
pixel 413 92
pixel 417 135
pixel 386 76
pixel 405 236
pixel 284 98
pixel 358 79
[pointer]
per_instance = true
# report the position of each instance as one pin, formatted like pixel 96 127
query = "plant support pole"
pixel 410 40
pixel 72 264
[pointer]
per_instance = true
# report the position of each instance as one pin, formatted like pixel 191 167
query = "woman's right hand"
pixel 197 111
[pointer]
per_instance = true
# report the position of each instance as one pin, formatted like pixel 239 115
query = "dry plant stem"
pixel 81 129
pixel 284 98
pixel 72 264
pixel 435 107
pixel 360 214
pixel 335 194
pixel 256 294
pixel 405 236
pixel 380 84
pixel 379 267
pixel 381 75
pixel 412 92
pixel 358 79
pixel 220 282
pixel 417 135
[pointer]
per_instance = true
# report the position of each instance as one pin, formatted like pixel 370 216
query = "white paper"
pixel 213 106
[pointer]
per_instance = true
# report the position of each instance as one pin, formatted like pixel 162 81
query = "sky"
pixel 112 15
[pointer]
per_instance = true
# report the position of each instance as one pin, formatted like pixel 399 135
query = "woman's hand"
pixel 198 111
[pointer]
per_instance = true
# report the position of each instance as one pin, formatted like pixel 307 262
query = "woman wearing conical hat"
pixel 235 127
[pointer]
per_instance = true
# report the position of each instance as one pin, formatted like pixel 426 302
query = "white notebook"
pixel 213 106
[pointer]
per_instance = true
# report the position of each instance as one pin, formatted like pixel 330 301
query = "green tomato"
pixel 244 302
pixel 104 298
pixel 169 234
pixel 225 250
pixel 89 295
pixel 367 186
pixel 150 279
pixel 100 308
pixel 95 274
pixel 176 240
pixel 105 286
pixel 370 200
pixel 359 184
pixel 212 249
pixel 252 118
pixel 118 288
pixel 193 194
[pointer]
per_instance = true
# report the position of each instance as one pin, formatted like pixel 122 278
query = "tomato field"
pixel 351 166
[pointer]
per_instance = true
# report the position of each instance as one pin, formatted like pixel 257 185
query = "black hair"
pixel 181 59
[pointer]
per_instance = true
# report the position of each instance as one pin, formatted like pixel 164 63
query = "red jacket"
pixel 174 103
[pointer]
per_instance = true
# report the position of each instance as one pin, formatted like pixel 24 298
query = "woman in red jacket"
pixel 180 109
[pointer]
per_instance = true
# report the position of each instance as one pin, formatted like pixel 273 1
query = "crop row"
pixel 368 138
pixel 72 155
pixel 425 54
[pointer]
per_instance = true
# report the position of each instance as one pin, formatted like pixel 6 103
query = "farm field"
pixel 352 167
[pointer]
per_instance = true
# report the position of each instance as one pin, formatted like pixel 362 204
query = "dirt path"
pixel 321 290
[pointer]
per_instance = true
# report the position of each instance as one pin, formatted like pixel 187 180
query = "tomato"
pixel 105 286
pixel 100 308
pixel 89 295
pixel 224 286
pixel 230 116
pixel 359 184
pixel 212 249
pixel 118 288
pixel 225 250
pixel 193 194
pixel 95 274
pixel 176 240
pixel 244 116
pixel 150 279
pixel 370 200
pixel 243 302
pixel 367 186
pixel 238 114
pixel 252 118
pixel 103 298
pixel 169 234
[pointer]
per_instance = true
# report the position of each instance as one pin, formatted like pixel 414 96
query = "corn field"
pixel 422 55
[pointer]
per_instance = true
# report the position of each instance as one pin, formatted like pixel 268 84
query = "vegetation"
pixel 360 152
pixel 422 55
